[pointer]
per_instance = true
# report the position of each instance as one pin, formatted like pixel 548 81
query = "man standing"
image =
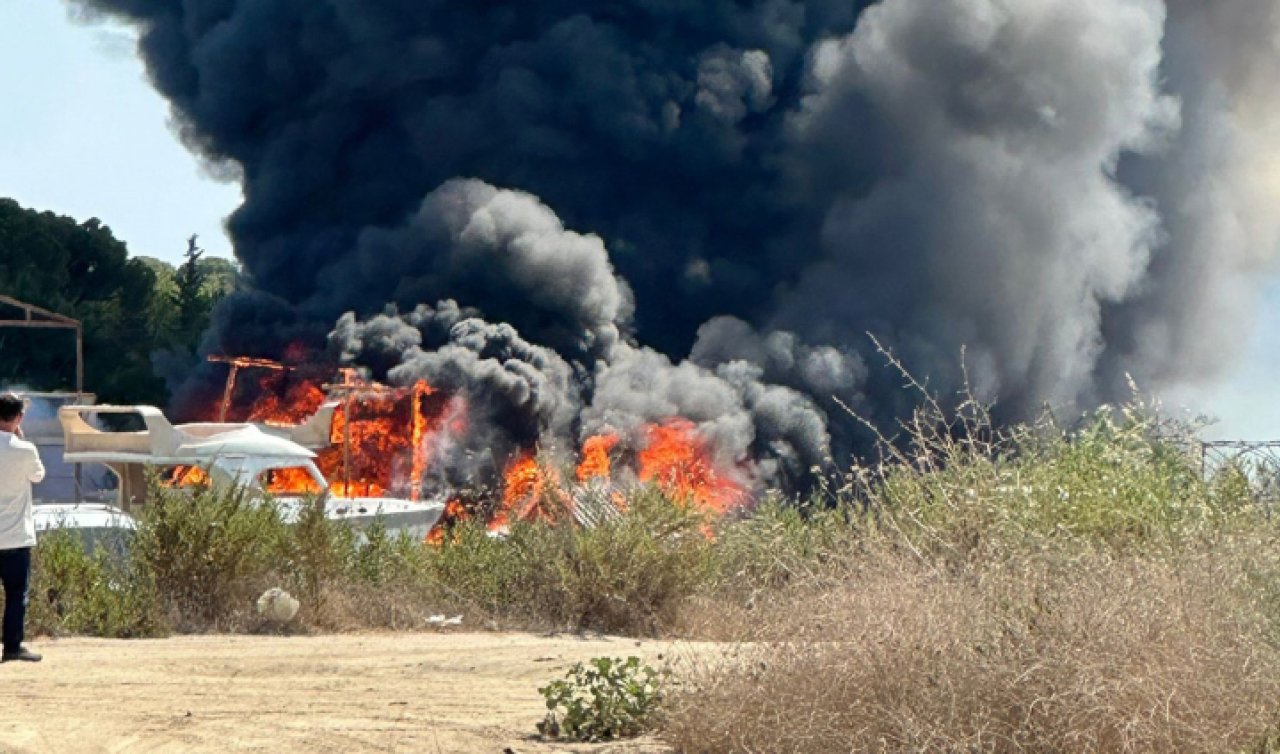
pixel 20 467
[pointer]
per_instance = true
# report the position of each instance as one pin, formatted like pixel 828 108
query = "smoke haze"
pixel 633 210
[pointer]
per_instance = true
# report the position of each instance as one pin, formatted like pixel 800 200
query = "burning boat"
pixel 268 461
pixel 416 440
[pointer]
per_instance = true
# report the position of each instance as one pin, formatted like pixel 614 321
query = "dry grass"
pixel 1047 653
pixel 1026 590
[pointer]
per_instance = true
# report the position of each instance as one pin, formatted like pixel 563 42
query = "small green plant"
pixel 603 699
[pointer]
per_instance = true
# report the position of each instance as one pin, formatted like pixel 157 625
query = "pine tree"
pixel 189 296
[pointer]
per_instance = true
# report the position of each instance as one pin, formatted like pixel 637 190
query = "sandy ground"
pixel 432 692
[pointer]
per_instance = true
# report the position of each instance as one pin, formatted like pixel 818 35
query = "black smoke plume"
pixel 658 207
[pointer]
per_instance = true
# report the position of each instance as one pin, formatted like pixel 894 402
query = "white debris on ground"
pixel 278 605
pixel 440 620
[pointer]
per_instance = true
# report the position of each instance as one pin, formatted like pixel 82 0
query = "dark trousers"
pixel 15 570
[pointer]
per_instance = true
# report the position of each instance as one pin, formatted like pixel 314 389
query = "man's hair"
pixel 11 407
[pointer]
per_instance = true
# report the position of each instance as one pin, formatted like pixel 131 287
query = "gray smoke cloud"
pixel 733 83
pixel 801 394
pixel 765 434
pixel 1217 187
pixel 825 372
pixel 656 126
pixel 790 438
pixel 505 248
pixel 653 208
pixel 1000 221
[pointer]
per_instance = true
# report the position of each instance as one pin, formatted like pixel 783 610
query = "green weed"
pixel 601 700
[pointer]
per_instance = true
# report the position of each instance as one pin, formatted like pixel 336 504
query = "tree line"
pixel 142 317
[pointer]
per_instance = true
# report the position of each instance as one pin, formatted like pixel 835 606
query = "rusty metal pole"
pixel 227 391
pixel 346 446
pixel 420 392
pixel 79 360
pixel 76 469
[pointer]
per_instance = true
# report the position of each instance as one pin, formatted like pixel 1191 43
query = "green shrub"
pixel 99 592
pixel 315 551
pixel 382 558
pixel 1123 480
pixel 473 571
pixel 210 551
pixel 602 700
pixel 1116 480
pixel 780 541
pixel 627 574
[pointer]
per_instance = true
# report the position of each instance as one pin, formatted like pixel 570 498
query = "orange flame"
pixel 419 392
pixel 595 457
pixel 187 476
pixel 300 401
pixel 356 489
pixel 376 440
pixel 380 435
pixel 290 481
pixel 678 460
pixel 454 512
pixel 531 492
pixel 522 483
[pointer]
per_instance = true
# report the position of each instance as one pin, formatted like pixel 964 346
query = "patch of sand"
pixel 426 692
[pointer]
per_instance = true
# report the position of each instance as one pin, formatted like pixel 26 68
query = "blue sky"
pixel 83 134
pixel 1247 403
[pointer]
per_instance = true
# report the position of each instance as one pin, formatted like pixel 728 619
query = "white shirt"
pixel 20 467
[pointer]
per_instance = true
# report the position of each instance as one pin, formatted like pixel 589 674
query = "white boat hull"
pixel 398 517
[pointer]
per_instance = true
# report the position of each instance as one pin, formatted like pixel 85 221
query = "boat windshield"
pixel 184 476
pixel 291 480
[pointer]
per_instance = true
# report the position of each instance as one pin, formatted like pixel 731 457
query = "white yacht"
pixel 268 461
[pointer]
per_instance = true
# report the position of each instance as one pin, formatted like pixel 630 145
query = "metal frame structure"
pixel 349 389
pixel 237 363
pixel 52 320
pixel 1258 461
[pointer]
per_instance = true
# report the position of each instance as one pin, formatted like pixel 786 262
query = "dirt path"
pixel 436 692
